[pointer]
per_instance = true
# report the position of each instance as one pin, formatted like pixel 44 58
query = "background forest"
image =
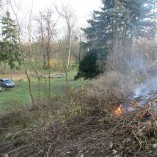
pixel 79 92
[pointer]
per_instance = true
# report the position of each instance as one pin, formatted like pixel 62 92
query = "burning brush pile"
pixel 136 127
pixel 137 124
pixel 131 116
pixel 105 119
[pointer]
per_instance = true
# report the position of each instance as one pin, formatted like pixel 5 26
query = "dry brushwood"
pixel 87 127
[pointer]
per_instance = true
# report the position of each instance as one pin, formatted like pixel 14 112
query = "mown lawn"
pixel 19 95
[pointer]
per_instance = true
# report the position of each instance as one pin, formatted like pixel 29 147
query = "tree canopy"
pixel 9 51
pixel 122 20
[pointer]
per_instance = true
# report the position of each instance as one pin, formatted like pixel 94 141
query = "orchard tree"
pixel 9 47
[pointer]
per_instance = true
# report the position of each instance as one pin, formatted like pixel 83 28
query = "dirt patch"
pixel 14 76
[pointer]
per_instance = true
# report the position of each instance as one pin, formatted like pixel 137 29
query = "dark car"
pixel 7 83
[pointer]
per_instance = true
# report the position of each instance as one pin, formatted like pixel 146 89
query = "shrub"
pixel 88 67
pixel 105 94
pixel 111 89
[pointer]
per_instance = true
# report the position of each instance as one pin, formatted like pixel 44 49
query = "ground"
pixel 78 136
pixel 19 95
pixel 75 124
pixel 17 76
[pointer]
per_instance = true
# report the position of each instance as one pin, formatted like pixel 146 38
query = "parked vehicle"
pixel 7 83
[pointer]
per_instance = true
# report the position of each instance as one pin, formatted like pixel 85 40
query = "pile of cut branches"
pixel 87 127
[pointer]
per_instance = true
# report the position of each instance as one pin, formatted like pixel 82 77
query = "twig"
pixel 18 149
pixel 49 150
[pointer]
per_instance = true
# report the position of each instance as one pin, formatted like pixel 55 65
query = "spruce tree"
pixel 9 47
pixel 122 20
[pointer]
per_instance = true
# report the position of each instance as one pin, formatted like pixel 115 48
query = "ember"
pixel 118 111
pixel 147 102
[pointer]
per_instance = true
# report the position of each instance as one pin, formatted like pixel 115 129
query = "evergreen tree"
pixel 9 50
pixel 88 67
pixel 121 20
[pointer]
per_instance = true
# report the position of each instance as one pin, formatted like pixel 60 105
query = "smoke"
pixel 137 64
pixel 144 66
pixel 149 83
pixel 145 88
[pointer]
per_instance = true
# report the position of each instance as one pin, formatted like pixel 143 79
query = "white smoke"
pixel 148 86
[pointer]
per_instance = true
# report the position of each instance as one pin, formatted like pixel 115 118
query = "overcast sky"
pixel 82 8
pixel 82 12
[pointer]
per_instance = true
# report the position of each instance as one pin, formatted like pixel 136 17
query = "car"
pixel 7 83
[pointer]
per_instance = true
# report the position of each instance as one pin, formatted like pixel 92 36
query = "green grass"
pixel 19 95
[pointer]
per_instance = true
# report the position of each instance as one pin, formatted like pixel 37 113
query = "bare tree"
pixel 67 14
pixel 40 21
pixel 46 27
pixel 25 60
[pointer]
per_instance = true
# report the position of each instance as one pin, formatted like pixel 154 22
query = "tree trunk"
pixel 11 76
pixel 69 49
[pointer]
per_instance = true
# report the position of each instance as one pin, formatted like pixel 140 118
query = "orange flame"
pixel 155 100
pixel 133 104
pixel 118 111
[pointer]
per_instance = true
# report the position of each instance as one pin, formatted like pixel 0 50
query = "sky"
pixel 82 8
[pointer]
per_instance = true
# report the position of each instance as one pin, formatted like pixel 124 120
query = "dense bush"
pixel 89 66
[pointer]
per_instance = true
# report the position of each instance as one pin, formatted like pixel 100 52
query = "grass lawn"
pixel 20 93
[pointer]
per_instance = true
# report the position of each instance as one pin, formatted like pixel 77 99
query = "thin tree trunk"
pixel 5 69
pixel 11 73
pixel 69 49
pixel 49 79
